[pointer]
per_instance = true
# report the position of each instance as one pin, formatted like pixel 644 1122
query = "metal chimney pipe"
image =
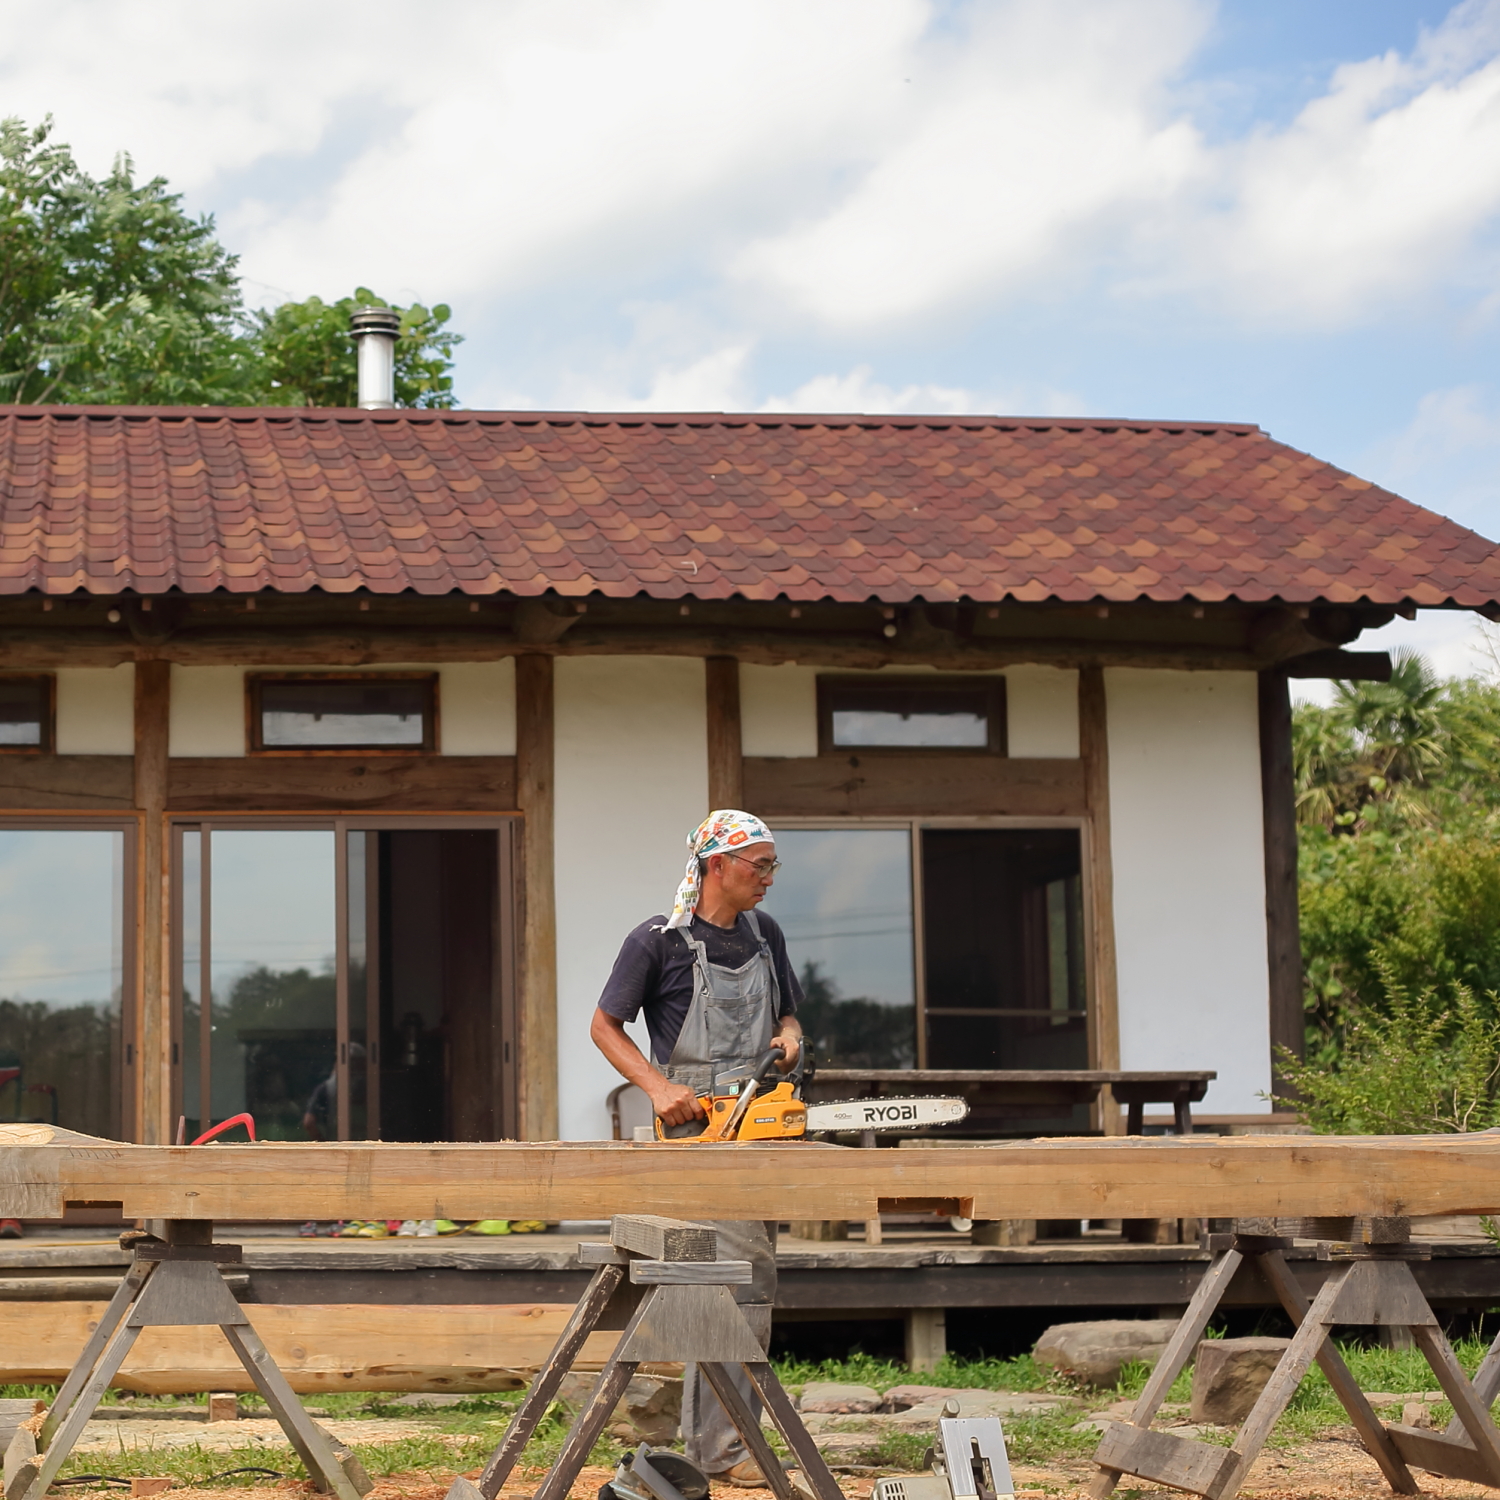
pixel 374 331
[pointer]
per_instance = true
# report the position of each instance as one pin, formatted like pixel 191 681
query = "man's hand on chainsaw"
pixel 790 1045
pixel 675 1103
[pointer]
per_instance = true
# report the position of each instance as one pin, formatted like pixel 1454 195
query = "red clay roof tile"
pixel 849 508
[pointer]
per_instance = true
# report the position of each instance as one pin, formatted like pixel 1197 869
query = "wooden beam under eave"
pixel 1279 828
pixel 1093 742
pixel 153 697
pixel 536 797
pixel 726 762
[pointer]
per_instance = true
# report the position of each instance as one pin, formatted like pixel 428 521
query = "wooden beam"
pixel 298 642
pixel 914 785
pixel 1065 1178
pixel 153 697
pixel 318 1347
pixel 346 783
pixel 1093 743
pixel 726 777
pixel 535 792
pixel 80 783
pixel 1279 829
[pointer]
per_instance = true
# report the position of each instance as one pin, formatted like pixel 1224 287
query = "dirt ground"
pixel 1329 1469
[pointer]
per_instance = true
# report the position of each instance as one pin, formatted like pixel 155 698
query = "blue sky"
pixel 1281 211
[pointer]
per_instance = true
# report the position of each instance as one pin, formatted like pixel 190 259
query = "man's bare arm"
pixel 674 1102
pixel 789 1038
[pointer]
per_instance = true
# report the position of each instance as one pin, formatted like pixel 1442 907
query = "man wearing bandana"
pixel 718 993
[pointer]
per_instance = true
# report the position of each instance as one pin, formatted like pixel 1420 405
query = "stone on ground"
pixel 924 1416
pixel 650 1410
pixel 1230 1374
pixel 1095 1353
pixel 833 1396
pixel 899 1397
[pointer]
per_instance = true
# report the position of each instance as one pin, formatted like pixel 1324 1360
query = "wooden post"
pixel 726 776
pixel 153 696
pixel 1093 744
pixel 537 1069
pixel 1279 825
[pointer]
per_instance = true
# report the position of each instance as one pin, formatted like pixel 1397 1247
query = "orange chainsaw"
pixel 756 1105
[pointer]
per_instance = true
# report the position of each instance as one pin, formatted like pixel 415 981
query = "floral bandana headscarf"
pixel 720 832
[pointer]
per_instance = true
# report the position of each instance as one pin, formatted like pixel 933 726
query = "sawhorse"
pixel 685 1312
pixel 1372 1286
pixel 173 1281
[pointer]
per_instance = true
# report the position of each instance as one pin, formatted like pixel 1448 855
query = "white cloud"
pixel 814 170
pixel 1044 129
pixel 859 391
pixel 1447 457
pixel 1378 188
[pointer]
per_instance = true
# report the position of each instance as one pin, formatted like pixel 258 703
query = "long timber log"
pixel 43 1170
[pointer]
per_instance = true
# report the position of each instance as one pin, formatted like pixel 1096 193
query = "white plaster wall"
pixel 779 710
pixel 207 714
pixel 1189 878
pixel 631 784
pixel 476 708
pixel 96 710
pixel 1041 712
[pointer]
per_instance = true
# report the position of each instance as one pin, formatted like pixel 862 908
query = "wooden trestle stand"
pixel 174 1280
pixel 1373 1286
pixel 685 1312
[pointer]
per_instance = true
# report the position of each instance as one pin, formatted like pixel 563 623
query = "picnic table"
pixel 999 1095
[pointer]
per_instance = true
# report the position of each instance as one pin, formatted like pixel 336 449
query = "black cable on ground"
pixel 59 1484
pixel 229 1473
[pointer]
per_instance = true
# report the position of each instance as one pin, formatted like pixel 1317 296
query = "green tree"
pixel 308 359
pixel 855 1033
pixel 109 292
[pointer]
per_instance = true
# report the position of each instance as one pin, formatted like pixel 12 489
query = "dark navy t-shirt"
pixel 654 973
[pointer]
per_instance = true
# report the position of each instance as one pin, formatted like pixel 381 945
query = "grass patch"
pixel 1019 1374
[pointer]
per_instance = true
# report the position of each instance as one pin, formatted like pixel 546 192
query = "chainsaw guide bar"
pixel 885 1114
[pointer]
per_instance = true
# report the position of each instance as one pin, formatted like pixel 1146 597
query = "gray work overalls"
pixel 728 1029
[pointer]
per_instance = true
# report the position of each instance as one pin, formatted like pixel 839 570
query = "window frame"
pixel 48 742
pixel 255 682
pixel 914 826
pixel 992 686
pixel 507 939
pixel 131 826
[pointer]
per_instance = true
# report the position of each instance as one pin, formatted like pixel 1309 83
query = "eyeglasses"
pixel 765 868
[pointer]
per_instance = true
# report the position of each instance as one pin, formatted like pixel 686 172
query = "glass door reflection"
pixel 261 941
pixel 353 978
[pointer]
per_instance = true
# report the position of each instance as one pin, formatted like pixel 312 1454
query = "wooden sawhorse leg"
pixel 172 1283
pixel 687 1313
pixel 1373 1286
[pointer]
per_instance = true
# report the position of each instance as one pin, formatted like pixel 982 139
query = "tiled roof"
pixel 850 508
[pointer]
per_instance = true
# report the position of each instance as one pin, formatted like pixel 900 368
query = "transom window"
pixel 912 713
pixel 26 714
pixel 388 711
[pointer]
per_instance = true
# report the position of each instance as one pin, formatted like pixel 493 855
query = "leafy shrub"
pixel 1419 1067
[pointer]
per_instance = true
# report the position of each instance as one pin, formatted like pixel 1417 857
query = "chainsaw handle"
pixel 767 1065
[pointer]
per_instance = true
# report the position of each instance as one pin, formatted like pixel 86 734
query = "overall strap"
pixel 752 919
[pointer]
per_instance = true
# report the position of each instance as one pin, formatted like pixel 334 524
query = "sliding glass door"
pixel 346 979
pixel 938 945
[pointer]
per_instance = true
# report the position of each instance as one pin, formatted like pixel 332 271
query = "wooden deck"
pixel 818 1279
